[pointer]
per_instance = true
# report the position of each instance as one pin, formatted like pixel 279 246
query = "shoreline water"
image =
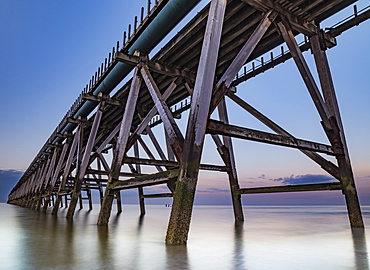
pixel 272 237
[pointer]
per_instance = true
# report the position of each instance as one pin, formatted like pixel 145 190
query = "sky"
pixel 50 50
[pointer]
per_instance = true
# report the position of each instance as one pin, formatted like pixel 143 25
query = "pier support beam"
pixel 178 228
pixel 38 204
pixel 173 131
pixel 140 189
pixel 57 170
pixel 48 179
pixel 325 164
pixel 66 172
pixel 88 191
pixel 119 202
pixel 38 190
pixel 229 159
pixel 328 110
pixel 65 202
pixel 344 163
pixel 120 149
pixel 80 174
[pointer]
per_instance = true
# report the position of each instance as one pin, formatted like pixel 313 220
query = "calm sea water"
pixel 270 238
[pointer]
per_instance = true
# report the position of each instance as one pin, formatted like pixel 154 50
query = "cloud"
pixel 305 179
pixel 8 179
pixel 213 190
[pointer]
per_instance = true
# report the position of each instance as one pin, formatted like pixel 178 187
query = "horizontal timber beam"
pixel 160 195
pixel 298 23
pixel 64 192
pixel 107 100
pixel 91 186
pixel 63 136
pixel 78 121
pixel 147 180
pixel 216 127
pixel 88 179
pixel 291 188
pixel 101 172
pixel 154 66
pixel 168 163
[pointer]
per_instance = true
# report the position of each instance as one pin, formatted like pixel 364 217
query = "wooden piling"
pixel 119 152
pixel 178 227
pixel 85 161
pixel 344 163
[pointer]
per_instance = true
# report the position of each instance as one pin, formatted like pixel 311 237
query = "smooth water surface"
pixel 270 238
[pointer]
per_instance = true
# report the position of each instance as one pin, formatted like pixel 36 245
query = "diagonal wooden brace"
pixel 120 149
pixel 174 134
pixel 325 164
pixel 227 78
pixel 76 193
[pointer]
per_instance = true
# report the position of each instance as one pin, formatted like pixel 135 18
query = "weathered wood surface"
pixel 179 223
pixel 145 180
pixel 227 154
pixel 325 164
pixel 216 127
pixel 291 188
pixel 120 150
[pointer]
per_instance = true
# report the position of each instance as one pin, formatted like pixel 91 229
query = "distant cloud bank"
pixel 305 179
pixel 213 190
pixel 8 179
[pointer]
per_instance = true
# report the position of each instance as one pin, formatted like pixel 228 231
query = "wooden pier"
pixel 197 70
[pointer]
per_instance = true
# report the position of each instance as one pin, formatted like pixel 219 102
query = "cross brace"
pixel 291 188
pixel 216 127
pixel 147 180
pixel 168 163
pixel 155 66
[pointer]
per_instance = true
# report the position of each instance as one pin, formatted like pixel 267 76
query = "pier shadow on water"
pixel 269 238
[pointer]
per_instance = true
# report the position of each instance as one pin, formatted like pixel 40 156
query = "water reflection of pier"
pixel 360 248
pixel 47 241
